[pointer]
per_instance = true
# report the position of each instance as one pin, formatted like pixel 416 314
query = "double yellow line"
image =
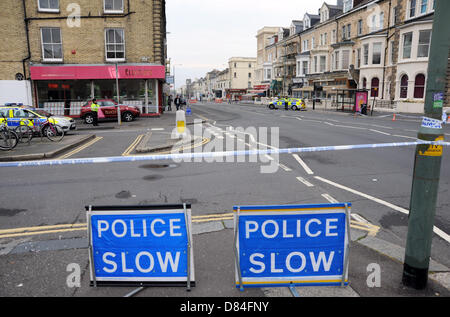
pixel 40 230
pixel 79 149
pixel 133 145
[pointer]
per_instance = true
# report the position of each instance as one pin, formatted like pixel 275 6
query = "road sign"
pixel 141 245
pixel 293 245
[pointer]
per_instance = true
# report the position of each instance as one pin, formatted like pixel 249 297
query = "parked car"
pixel 288 103
pixel 109 109
pixel 14 114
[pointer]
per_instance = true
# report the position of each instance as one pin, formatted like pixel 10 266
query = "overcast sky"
pixel 204 34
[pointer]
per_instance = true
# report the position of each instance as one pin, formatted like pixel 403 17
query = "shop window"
pixel 404 86
pixel 375 85
pixel 51 44
pixel 419 86
pixel 115 45
pixel 113 6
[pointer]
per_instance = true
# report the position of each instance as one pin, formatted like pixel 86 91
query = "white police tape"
pixel 185 156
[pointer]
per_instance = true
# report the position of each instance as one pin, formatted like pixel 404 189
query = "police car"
pixel 15 114
pixel 288 103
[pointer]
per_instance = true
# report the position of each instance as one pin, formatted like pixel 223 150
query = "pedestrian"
pixel 177 102
pixel 94 108
pixel 169 103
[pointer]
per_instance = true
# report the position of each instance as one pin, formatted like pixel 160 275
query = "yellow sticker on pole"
pixel 433 150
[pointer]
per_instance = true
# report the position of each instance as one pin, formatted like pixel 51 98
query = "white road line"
pixel 157 129
pixel 303 164
pixel 404 136
pixel 304 181
pixel 381 132
pixel 287 169
pixel 330 198
pixel 436 230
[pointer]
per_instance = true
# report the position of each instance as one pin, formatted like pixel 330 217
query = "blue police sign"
pixel 300 245
pixel 144 245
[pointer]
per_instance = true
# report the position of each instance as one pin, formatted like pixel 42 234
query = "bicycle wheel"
pixel 53 132
pixel 8 140
pixel 24 132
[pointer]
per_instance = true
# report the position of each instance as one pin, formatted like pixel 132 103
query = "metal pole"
pixel 428 158
pixel 119 117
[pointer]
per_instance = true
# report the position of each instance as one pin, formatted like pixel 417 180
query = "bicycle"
pixel 51 130
pixel 8 138
pixel 28 127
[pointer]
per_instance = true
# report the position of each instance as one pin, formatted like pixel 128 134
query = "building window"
pixel 358 58
pixel 235 75
pixel 348 5
pixel 424 43
pixel 407 43
pixel 423 6
pixel 249 75
pixel 305 68
pixel 364 83
pixel 366 54
pixel 404 86
pixel 51 44
pixel 412 8
pixel 375 85
pixel 113 6
pixel 48 5
pixel 419 86
pixel 349 31
pixel 115 45
pixel 360 26
pixel 376 54
pixel 336 60
pixel 323 64
pixel 345 59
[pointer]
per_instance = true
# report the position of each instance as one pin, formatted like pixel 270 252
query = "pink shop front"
pixel 64 89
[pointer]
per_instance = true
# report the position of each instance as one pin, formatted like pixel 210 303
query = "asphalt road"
pixel 376 181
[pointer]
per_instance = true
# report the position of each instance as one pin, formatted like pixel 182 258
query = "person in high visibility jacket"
pixel 94 109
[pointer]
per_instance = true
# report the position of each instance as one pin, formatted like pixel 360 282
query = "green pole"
pixel 428 158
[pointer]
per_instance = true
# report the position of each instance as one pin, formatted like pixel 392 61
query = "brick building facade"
pixel 69 51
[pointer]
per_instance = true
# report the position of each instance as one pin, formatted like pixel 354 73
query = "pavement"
pixel 214 267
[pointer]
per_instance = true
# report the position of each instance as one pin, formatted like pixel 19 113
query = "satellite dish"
pixel 19 76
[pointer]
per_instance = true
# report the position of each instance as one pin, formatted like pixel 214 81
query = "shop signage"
pixel 300 245
pixel 78 72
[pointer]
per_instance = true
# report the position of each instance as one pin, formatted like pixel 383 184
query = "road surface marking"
pixel 157 129
pixel 404 136
pixel 133 145
pixel 304 181
pixel 436 230
pixel 40 230
pixel 330 198
pixel 303 164
pixel 287 169
pixel 381 132
pixel 79 149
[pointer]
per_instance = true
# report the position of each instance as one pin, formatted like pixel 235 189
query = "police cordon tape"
pixel 190 155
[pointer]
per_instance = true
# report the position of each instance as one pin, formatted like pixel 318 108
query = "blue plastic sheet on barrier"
pixel 300 245
pixel 139 246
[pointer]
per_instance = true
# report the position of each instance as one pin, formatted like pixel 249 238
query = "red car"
pixel 109 109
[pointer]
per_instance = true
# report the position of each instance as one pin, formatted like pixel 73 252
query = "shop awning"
pixel 77 72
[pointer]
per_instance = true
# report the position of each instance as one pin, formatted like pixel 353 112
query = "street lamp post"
pixel 428 158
